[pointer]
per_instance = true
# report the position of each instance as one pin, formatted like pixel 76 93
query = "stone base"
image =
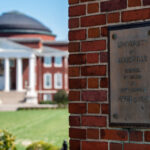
pixel 31 97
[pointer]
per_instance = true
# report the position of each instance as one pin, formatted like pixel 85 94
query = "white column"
pixel 66 61
pixel 7 74
pixel 19 74
pixel 66 72
pixel 32 74
pixel 31 96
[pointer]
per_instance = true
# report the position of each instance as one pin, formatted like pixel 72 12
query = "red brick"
pixel 115 146
pixel 93 70
pixel 134 3
pixel 77 133
pixel 94 95
pixel 93 83
pixel 93 33
pixel 130 146
pixel 103 57
pixel 94 145
pixel 147 136
pixel 77 10
pixel 95 121
pixel 77 59
pixel 77 108
pixel 77 35
pixel 74 95
pixel 73 1
pixel 74 23
pixel 104 83
pixel 92 133
pixel 93 108
pixel 136 136
pixel 114 135
pixel 93 45
pixel 113 5
pixel 146 2
pixel 93 20
pixel 74 47
pixel 105 108
pixel 113 17
pixel 104 31
pixel 74 71
pixel 77 83
pixel 74 145
pixel 74 120
pixel 93 7
pixel 92 58
pixel 134 15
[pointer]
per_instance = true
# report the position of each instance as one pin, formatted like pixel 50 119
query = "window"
pixel 47 81
pixel 47 61
pixel 47 97
pixel 58 80
pixel 12 63
pixel 58 61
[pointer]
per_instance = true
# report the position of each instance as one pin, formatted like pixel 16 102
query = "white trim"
pixel 58 65
pixel 44 81
pixel 55 81
pixel 47 65
pixel 48 91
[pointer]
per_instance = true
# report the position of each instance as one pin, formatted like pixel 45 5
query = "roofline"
pixel 56 42
pixel 26 31
pixel 19 39
pixel 25 40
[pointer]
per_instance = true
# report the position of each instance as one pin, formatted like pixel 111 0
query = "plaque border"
pixel 114 28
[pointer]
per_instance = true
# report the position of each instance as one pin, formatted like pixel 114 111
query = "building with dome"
pixel 33 66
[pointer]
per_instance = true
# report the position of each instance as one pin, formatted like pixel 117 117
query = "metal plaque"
pixel 129 74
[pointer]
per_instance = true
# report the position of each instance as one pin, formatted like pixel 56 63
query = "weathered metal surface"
pixel 129 71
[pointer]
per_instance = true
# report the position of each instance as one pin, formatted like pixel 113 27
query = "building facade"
pixel 31 61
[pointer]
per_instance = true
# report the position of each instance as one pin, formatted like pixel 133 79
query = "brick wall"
pixel 88 74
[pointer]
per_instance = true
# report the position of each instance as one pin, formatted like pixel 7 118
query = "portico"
pixel 11 51
pixel 19 75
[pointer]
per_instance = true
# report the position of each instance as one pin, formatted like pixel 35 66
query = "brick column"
pixel 88 74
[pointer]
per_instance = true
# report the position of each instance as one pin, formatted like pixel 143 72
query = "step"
pixel 12 97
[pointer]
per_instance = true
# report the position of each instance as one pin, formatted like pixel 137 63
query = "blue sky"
pixel 52 13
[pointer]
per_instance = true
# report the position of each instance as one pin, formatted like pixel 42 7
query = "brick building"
pixel 31 60
pixel 88 74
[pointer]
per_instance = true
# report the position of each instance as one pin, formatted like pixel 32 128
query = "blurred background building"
pixel 33 66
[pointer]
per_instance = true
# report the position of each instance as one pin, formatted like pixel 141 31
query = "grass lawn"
pixel 34 125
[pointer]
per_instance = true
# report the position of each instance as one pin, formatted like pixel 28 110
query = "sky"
pixel 52 13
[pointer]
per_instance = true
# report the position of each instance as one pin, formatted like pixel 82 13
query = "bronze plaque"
pixel 129 70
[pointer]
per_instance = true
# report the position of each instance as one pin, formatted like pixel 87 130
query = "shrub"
pixel 41 146
pixel 61 97
pixel 7 141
